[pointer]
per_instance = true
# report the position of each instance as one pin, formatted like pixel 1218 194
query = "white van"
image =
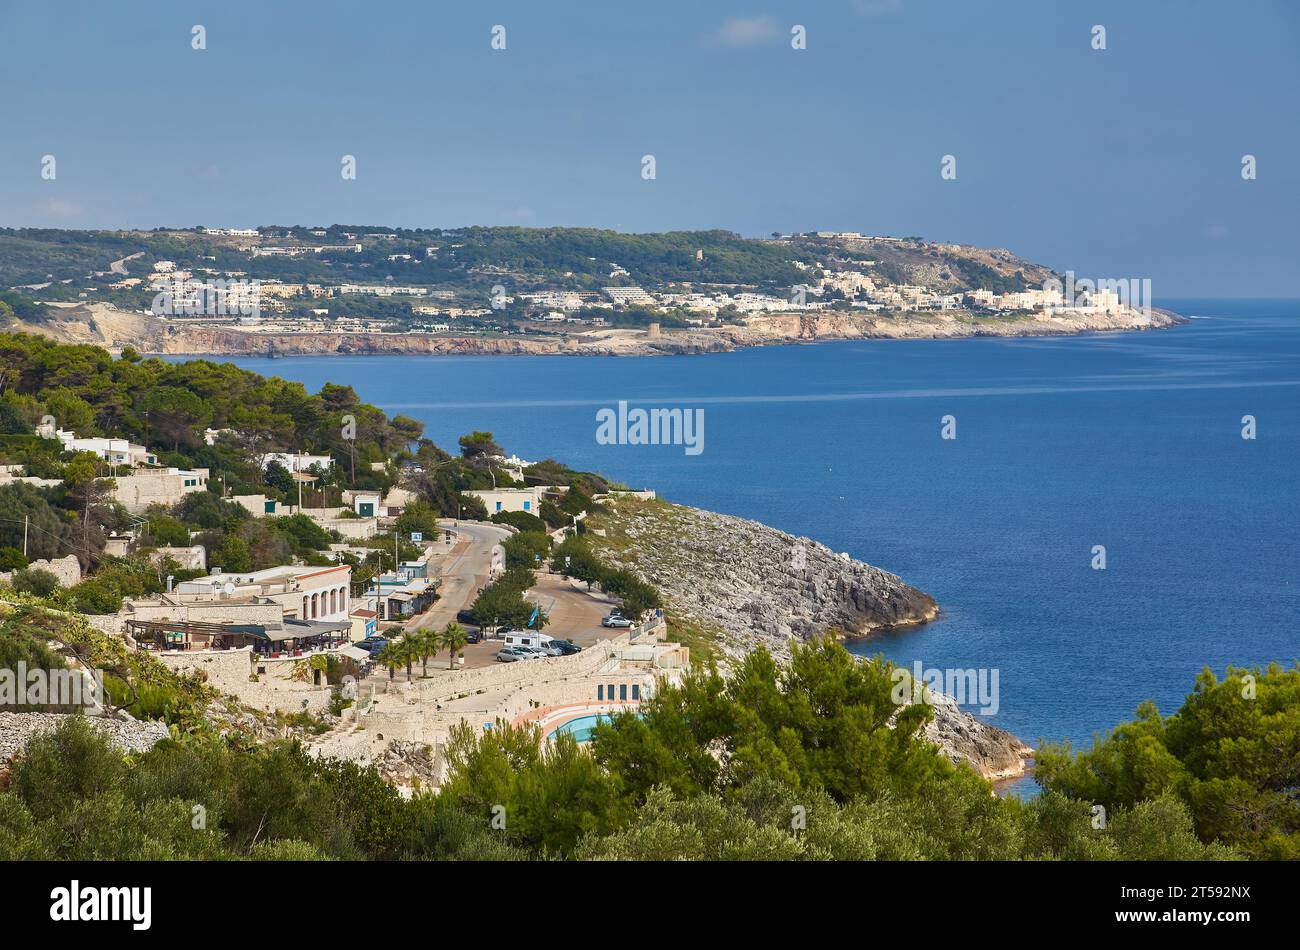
pixel 525 638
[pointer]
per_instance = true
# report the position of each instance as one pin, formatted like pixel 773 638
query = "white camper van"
pixel 525 638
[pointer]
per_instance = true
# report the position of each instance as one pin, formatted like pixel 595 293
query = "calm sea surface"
pixel 1129 441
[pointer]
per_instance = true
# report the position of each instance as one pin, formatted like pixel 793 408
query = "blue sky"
pixel 1123 162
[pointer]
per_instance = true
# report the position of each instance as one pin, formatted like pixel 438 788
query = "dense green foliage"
pixel 794 764
pixel 166 406
pixel 466 257
pixel 1231 754
pixel 575 558
pixel 501 603
pixel 520 519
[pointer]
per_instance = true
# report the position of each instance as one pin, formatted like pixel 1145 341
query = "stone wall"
pixel 129 735
pixel 66 569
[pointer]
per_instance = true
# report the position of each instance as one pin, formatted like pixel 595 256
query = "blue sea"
pixel 1128 441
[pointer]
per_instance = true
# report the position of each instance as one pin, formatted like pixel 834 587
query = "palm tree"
pixel 392 656
pixel 409 652
pixel 425 642
pixel 454 639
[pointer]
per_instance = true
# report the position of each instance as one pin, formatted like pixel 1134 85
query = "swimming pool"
pixel 581 728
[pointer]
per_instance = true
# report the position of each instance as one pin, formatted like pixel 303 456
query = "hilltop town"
pixel 510 290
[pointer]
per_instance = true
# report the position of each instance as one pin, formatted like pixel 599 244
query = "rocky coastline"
pixel 104 325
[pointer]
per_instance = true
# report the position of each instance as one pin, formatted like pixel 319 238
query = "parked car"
pixel 474 636
pixel 534 653
pixel 615 620
pixel 373 645
pixel 465 616
pixel 562 648
pixel 511 654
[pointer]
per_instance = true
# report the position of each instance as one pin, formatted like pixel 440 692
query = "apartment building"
pixel 626 296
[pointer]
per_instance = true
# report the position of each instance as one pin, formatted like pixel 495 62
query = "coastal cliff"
pixel 739 584
pixel 104 325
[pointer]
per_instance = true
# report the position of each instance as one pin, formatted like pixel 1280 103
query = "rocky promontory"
pixel 763 585
pixel 994 753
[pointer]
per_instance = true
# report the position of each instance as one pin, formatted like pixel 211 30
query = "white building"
pixel 625 296
pixel 112 451
pixel 382 290
pixel 509 499
pixel 297 461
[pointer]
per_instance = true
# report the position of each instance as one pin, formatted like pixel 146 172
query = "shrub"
pixel 11 559
pixel 96 596
pixel 166 531
pixel 37 581
pixel 522 520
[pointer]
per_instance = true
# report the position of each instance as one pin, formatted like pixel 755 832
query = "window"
pixel 622 691
pixel 527 505
pixel 600 692
pixel 636 690
pixel 498 506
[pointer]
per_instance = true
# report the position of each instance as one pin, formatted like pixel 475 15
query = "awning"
pixel 293 629
pixel 355 653
pixel 311 628
pixel 399 596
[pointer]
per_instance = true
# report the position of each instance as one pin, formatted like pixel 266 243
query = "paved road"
pixel 119 266
pixel 574 613
pixel 462 571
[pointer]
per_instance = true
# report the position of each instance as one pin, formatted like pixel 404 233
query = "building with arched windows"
pixel 303 592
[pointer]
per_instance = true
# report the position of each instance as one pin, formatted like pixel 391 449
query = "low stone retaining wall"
pixel 129 735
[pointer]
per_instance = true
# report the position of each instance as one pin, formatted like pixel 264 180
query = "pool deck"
pixel 550 718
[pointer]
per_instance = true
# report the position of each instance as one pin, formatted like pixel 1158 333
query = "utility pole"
pixel 25 520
